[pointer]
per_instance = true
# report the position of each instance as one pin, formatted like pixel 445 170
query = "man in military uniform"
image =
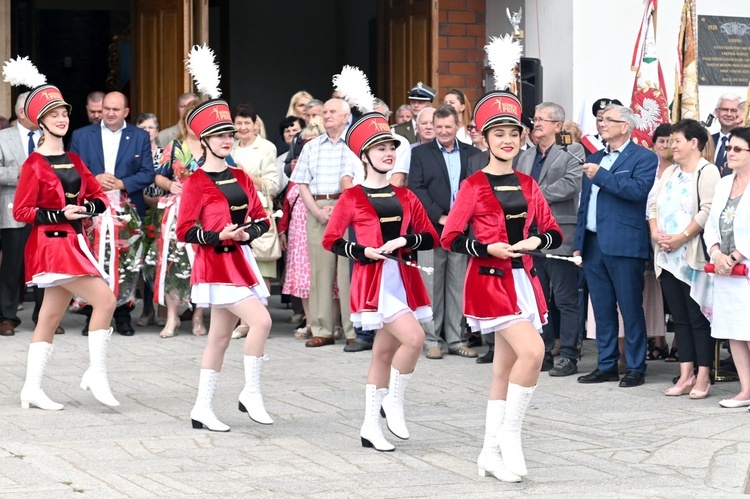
pixel 420 97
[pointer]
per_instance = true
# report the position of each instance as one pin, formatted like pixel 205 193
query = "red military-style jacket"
pixel 489 290
pixel 202 202
pixel 53 248
pixel 354 209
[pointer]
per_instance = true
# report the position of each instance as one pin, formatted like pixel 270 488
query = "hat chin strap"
pixel 44 127
pixel 489 148
pixel 205 143
pixel 367 155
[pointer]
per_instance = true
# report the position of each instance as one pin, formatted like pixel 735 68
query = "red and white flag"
pixel 649 103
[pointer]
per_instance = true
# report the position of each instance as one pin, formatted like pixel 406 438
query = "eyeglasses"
pixel 736 149
pixel 471 128
pixel 609 121
pixel 540 120
pixel 728 110
pixel 151 127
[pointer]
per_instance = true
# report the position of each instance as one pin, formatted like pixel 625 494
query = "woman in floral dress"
pixel 180 159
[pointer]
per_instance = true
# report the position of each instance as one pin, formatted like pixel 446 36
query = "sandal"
pixel 303 333
pixel 170 328
pixel 240 331
pixel 654 352
pixel 672 356
pixel 295 318
pixel 199 329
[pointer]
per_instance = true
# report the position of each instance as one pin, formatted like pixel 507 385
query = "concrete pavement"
pixel 581 441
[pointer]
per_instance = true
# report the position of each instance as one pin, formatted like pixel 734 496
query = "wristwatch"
pixel 686 234
pixel 731 255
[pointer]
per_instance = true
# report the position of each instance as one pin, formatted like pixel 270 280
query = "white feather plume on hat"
pixel 354 88
pixel 503 53
pixel 205 72
pixel 22 71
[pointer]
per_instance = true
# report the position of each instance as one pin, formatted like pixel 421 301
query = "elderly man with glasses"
pixel 612 237
pixel 728 113
pixel 558 174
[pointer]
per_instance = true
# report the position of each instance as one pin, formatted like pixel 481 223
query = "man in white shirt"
pixel 321 165
pixel 16 143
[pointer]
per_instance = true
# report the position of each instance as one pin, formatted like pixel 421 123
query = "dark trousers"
pixel 616 281
pixel 559 280
pixel 691 328
pixel 11 268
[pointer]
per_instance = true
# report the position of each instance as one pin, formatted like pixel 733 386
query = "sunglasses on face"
pixel 736 149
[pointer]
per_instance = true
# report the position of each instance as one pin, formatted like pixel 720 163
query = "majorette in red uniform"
pixel 385 295
pixel 55 192
pixel 502 294
pixel 216 201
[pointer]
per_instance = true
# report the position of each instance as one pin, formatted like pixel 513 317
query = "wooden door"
pixel 164 32
pixel 408 46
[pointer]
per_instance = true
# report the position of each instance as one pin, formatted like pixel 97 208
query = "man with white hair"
pixel 322 163
pixel 16 143
pixel 612 237
pixel 728 113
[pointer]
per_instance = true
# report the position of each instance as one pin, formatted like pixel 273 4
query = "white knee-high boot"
pixel 203 412
pixel 251 400
pixel 489 460
pixel 393 404
pixel 371 433
pixel 509 436
pixel 95 376
pixel 32 393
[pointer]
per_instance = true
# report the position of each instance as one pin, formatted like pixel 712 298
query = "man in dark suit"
pixel 612 237
pixel 558 174
pixel 119 156
pixel 420 97
pixel 436 171
pixel 728 113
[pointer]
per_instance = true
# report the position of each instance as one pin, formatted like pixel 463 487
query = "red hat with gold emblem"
pixel 43 97
pixel 370 129
pixel 211 118
pixel 497 108
pixel 41 100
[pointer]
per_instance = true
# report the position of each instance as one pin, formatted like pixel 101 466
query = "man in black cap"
pixel 594 143
pixel 420 97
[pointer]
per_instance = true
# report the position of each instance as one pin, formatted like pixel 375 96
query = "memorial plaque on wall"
pixel 724 50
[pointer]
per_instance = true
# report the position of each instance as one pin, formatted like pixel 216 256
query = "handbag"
pixel 267 247
pixel 739 270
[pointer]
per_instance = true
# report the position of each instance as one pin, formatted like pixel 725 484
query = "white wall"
pixel 586 47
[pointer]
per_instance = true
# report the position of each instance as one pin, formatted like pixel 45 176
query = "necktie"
pixel 721 156
pixel 31 142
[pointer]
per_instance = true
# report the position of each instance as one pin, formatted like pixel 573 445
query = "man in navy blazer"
pixel 116 152
pixel 119 156
pixel 612 237
pixel 436 171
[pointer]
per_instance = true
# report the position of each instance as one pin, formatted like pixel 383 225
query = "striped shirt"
pixel 322 163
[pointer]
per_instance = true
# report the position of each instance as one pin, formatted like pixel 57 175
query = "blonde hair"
pixel 182 124
pixel 293 102
pixel 573 129
pixel 709 149
pixel 313 129
pixel 261 127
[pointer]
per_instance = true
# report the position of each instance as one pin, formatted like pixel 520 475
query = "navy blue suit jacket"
pixel 134 164
pixel 428 178
pixel 621 226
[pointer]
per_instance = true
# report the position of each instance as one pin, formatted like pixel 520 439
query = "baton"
pixel 275 214
pixel 426 270
pixel 573 259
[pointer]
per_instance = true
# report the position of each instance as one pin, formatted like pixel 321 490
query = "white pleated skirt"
pixel 730 308
pixel 228 295
pixel 526 302
pixel 392 302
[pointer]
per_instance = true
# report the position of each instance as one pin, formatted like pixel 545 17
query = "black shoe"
pixel 548 363
pixel 85 330
pixel 632 378
pixel 564 367
pixel 599 376
pixel 473 340
pixel 358 346
pixel 488 357
pixel 124 328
